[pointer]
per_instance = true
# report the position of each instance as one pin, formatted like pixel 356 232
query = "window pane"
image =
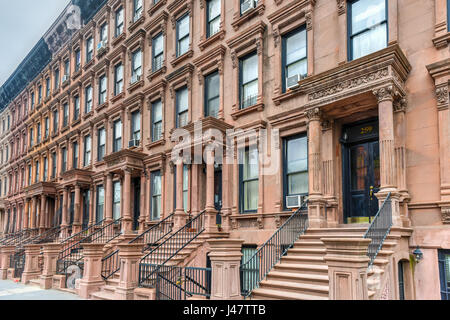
pixel 183 46
pixel 250 69
pixel 183 27
pixel 251 195
pixel 213 85
pixel 370 41
pixel 213 9
pixel 367 13
pixel 250 90
pixel 182 100
pixel 298 183
pixel 297 155
pixel 157 111
pixel 296 47
pixel 158 45
pixel 251 164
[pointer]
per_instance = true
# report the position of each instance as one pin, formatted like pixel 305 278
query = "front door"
pixel 218 188
pixel 86 206
pixel 361 174
pixel 136 205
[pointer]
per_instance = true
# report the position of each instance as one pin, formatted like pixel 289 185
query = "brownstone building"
pixel 348 99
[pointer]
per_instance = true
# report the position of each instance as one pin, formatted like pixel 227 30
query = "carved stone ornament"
pixel 445 215
pixel 442 95
pixel 314 114
pixel 384 93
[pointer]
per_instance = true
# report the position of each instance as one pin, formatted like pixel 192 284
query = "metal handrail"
pixel 110 263
pixel 269 254
pixel 169 248
pixel 379 229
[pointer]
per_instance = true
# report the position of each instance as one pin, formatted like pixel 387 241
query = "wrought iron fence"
pixel 253 271
pixel 166 250
pixel 110 263
pixel 379 229
pixel 72 251
pixel 178 283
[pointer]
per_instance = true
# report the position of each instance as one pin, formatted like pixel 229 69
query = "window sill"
pixel 64 129
pixel 65 83
pixel 133 25
pixel 102 52
pixel 56 91
pixel 289 94
pixel 88 115
pixel 47 99
pixel 441 42
pixel 154 74
pixel 102 106
pixel 241 19
pixel 118 39
pixel 209 41
pixel 184 56
pixel 117 97
pixel 135 85
pixel 75 122
pixel 76 74
pixel 151 145
pixel 99 163
pixel 251 109
pixel 88 64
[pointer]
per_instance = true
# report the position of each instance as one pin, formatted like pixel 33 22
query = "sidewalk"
pixel 10 290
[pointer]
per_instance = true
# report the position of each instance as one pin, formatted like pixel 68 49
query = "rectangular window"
pixel 295 158
pixel 47 87
pixel 64 160
pixel 118 79
pixel 65 115
pixel 31 137
pixel 182 105
pixel 55 121
pixel 32 100
pixel 116 200
pixel 23 179
pixel 87 151
pixel 136 125
pixel 38 133
pixel 444 273
pixel 36 177
pixel 212 94
pixel 75 155
pixel 157 52
pixel 77 60
pixel 66 69
pixel 213 17
pixel 100 203
pixel 156 121
pixel 137 5
pixel 72 207
pixel 104 33
pixel 185 187
pixel 248 75
pixel 294 55
pixel 156 193
pixel 117 135
pixel 249 179
pixel 136 66
pixel 119 22
pixel 183 35
pixel 102 90
pixel 29 176
pixel 39 94
pixel 56 79
pixel 88 99
pixel 76 107
pixel 45 169
pixel 47 127
pixel 54 161
pixel 367 21
pixel 89 49
pixel 101 144
pixel 247 5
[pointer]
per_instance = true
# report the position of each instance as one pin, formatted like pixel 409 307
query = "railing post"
pixel 51 251
pixel 129 257
pixel 347 262
pixel 225 258
pixel 5 255
pixel 92 275
pixel 31 270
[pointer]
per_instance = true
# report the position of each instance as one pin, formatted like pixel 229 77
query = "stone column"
pixel 77 210
pixel 25 215
pixel 225 258
pixel 347 262
pixel 51 251
pixel 316 204
pixel 127 221
pixel 31 270
pixel 109 198
pixel 64 222
pixel 42 213
pixel 33 213
pixel 180 215
pixel 148 200
pixel 142 202
pixel 93 208
pixel 5 255
pixel 328 163
pixel 92 276
pixel 388 177
pixel 210 216
pixel 129 257
pixel 195 192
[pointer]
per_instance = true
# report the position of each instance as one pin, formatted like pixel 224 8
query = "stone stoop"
pixel 107 292
pixel 302 274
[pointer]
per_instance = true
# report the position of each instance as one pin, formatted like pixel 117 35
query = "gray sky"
pixel 22 24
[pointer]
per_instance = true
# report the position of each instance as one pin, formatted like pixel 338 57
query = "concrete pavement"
pixel 9 290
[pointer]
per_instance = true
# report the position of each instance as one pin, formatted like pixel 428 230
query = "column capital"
pixel 384 93
pixel 314 114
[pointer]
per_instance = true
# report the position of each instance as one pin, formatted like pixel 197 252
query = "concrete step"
pixel 270 294
pixel 298 277
pixel 313 244
pixel 295 287
pixel 113 281
pixel 299 259
pixel 307 251
pixel 109 289
pixel 102 295
pixel 35 282
pixel 302 268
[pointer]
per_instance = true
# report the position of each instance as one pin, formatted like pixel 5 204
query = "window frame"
pixel 208 20
pixel 101 147
pixel 65 114
pixel 444 287
pixel 118 30
pixel 241 84
pixel 134 123
pixel 102 95
pixel 156 122
pixel 350 36
pixel 87 157
pixel 178 39
pixel 75 154
pixel 117 141
pixel 117 82
pixel 155 66
pixel 153 196
pixel 242 182
pixel 97 204
pixel 89 52
pixel 76 108
pixel 177 106
pixel 118 203
pixel 208 99
pixel 89 97
pixel 284 65
pixel 64 159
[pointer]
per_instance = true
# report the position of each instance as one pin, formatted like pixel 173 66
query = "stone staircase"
pixel 302 274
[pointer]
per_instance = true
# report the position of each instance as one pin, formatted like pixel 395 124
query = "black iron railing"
pixel 166 250
pixel 178 283
pixel 50 235
pixel 18 237
pixel 110 263
pixel 72 251
pixel 261 263
pixel 379 229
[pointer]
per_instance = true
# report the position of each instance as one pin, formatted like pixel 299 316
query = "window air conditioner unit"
pixel 133 143
pixel 247 5
pixel 294 202
pixel 292 82
pixel 135 78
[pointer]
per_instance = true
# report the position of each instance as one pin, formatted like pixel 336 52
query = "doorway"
pixel 218 188
pixel 136 202
pixel 86 204
pixel 361 171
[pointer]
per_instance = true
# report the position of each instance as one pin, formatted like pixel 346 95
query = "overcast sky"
pixel 22 24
